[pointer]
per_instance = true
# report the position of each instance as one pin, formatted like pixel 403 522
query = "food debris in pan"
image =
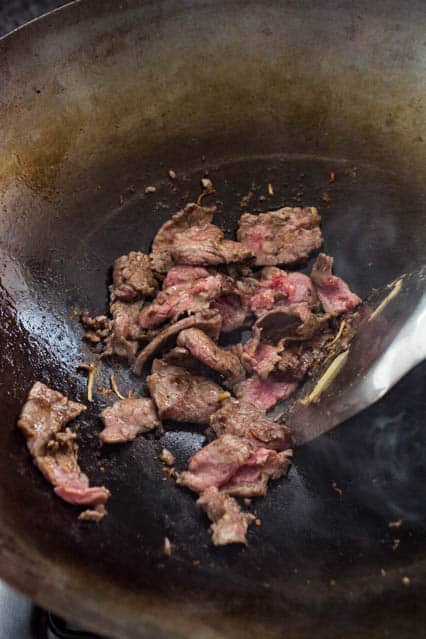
pixel 167 314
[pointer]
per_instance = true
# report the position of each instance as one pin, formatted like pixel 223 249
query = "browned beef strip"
pixel 43 415
pixel 252 479
pixel 183 274
pixel 264 393
pixel 204 245
pixel 259 357
pixel 299 358
pixel 216 463
pixel 233 309
pixel 207 321
pixel 189 297
pixel 334 294
pixel 179 356
pixel 295 322
pixel 285 236
pixel 127 418
pixel 132 278
pixel 245 420
pixel 223 361
pixel 191 215
pixel 229 523
pixel 181 396
pixel 125 331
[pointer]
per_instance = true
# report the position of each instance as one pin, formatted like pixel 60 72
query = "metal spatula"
pixel 390 341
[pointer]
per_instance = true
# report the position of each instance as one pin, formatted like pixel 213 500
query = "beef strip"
pixel 189 297
pixel 216 463
pixel 191 215
pixel 251 480
pixel 202 347
pixel 299 358
pixel 179 356
pixel 274 286
pixel 184 275
pixel 244 420
pixel 125 331
pixel 181 396
pixel 259 357
pixel 127 418
pixel 132 278
pixel 204 245
pixel 285 236
pixel 43 416
pixel 334 294
pixel 294 322
pixel 229 523
pixel 233 310
pixel 207 321
pixel 264 393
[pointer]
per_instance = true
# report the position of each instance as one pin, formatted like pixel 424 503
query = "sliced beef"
pixel 245 420
pixel 334 294
pixel 43 416
pixel 59 465
pixel 273 287
pixel 259 357
pixel 189 297
pixel 125 331
pixel 191 215
pixel 229 523
pixel 233 310
pixel 295 322
pixel 303 290
pixel 285 236
pixel 181 396
pixel 264 393
pixel 127 418
pixel 184 275
pixel 251 480
pixel 216 463
pixel 299 358
pixel 207 321
pixel 204 245
pixel 179 356
pixel 132 278
pixel 203 348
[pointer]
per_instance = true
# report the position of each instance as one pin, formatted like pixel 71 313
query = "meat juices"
pixel 43 416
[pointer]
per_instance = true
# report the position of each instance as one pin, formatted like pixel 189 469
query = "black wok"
pixel 98 101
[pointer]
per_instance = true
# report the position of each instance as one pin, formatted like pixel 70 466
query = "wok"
pixel 100 100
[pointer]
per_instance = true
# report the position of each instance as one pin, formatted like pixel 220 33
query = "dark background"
pixel 13 13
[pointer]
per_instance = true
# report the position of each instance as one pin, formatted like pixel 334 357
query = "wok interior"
pixel 94 111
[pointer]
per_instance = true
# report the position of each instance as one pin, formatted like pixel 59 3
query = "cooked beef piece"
pixel 216 463
pixel 244 420
pixel 223 361
pixel 274 286
pixel 295 322
pixel 264 393
pixel 59 465
pixel 43 416
pixel 299 358
pixel 233 310
pixel 229 524
pixel 181 396
pixel 179 356
pixel 132 278
pixel 258 357
pixel 173 302
pixel 191 215
pixel 334 294
pixel 125 331
pixel 98 328
pixel 127 418
pixel 204 245
pixel 184 274
pixel 285 236
pixel 303 290
pixel 207 321
pixel 251 480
